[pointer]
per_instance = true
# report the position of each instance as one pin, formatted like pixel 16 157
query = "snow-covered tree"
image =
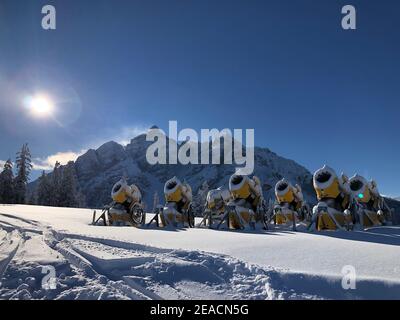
pixel 44 190
pixel 81 200
pixel 7 194
pixel 55 183
pixel 60 188
pixel 31 197
pixel 24 167
pixel 69 192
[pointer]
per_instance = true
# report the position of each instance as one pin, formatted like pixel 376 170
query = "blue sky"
pixel 312 91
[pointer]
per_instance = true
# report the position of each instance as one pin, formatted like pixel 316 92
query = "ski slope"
pixel 97 262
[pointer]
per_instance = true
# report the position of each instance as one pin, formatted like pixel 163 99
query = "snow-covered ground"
pixel 97 262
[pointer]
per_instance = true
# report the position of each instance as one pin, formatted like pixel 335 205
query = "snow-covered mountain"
pixel 97 171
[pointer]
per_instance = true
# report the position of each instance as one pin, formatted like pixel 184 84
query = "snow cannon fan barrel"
pixel 284 191
pixel 243 187
pixel 176 191
pixel 122 192
pixel 359 187
pixel 217 197
pixel 326 183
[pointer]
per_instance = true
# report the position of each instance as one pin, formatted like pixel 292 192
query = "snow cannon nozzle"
pixel 356 184
pixel 117 187
pixel 172 183
pixel 236 179
pixel 323 176
pixel 282 185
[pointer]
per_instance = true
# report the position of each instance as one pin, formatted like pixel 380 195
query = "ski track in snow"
pixel 97 268
pixel 129 272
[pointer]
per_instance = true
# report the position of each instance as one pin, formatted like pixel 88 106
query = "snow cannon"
pixel 359 187
pixel 127 207
pixel 370 209
pixel 217 199
pixel 290 203
pixel 176 191
pixel 246 207
pixel 333 210
pixel 122 192
pixel 243 187
pixel 326 183
pixel 215 206
pixel 177 210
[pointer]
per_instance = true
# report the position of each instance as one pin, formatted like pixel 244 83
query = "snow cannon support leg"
pixel 156 218
pixel 225 218
pixel 94 218
pixel 102 216
pixel 206 218
pixel 294 220
pixel 262 216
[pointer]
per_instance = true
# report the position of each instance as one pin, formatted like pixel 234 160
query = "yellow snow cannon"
pixel 215 207
pixel 127 207
pixel 246 209
pixel 290 207
pixel 370 204
pixel 333 210
pixel 177 211
pixel 122 193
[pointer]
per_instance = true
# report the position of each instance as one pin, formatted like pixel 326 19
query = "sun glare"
pixel 40 106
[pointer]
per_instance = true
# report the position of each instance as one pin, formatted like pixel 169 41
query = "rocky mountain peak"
pixel 97 171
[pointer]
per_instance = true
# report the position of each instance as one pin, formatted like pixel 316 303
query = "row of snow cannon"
pixel 240 207
pixel 343 204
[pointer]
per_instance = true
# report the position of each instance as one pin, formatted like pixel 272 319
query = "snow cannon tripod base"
pixel 169 216
pixel 117 215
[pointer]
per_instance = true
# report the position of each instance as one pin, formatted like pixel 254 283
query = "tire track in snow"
pixel 144 272
pixel 92 266
pixel 90 269
pixel 27 221
pixel 63 247
pixel 9 227
pixel 8 248
pixel 166 268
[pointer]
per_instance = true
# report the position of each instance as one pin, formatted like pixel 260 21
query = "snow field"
pixel 96 262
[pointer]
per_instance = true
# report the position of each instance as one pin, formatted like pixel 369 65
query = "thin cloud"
pixel 49 162
pixel 124 137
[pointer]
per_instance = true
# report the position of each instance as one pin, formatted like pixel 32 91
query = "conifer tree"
pixel 7 190
pixel 24 167
pixel 44 190
pixel 55 185
pixel 69 187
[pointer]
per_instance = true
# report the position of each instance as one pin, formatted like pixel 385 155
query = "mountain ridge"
pixel 98 169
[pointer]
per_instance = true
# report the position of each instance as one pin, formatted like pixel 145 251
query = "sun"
pixel 40 106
